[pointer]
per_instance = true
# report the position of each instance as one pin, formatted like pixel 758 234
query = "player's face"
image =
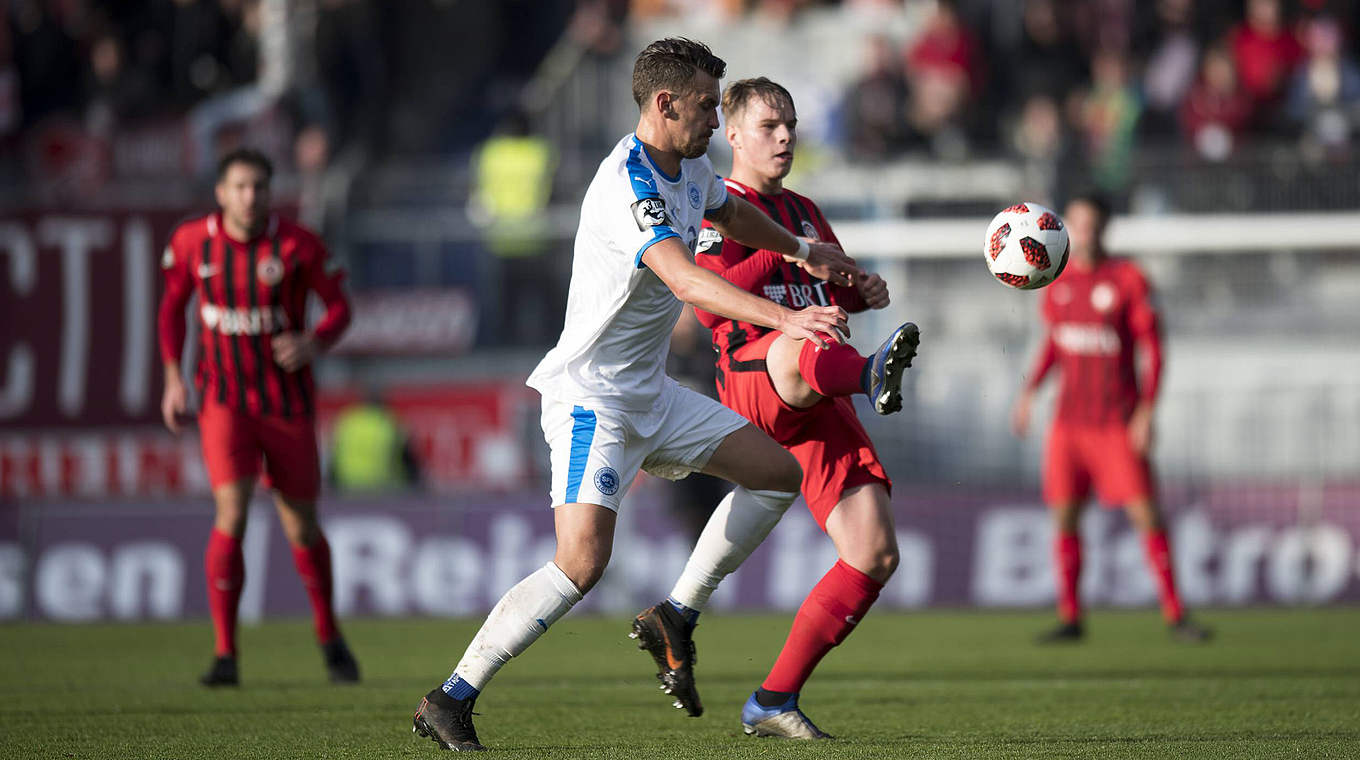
pixel 243 194
pixel 696 116
pixel 763 136
pixel 1084 228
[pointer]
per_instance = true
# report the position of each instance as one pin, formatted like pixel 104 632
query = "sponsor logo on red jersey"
pixel 1087 339
pixel 243 321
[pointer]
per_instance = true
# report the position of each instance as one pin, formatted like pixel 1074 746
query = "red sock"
pixel 225 568
pixel 1067 556
pixel 1159 561
pixel 833 371
pixel 833 609
pixel 314 566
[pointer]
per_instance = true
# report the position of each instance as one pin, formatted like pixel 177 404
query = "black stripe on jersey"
pixel 275 302
pixel 229 301
pixel 256 341
pixel 772 211
pixel 796 219
pixel 221 374
pixel 300 290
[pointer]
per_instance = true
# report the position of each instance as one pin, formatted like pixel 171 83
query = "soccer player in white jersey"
pixel 608 407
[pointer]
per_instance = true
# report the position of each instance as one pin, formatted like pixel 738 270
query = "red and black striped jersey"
pixel 766 273
pixel 1095 319
pixel 247 293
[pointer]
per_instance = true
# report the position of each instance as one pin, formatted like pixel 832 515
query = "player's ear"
pixel 665 103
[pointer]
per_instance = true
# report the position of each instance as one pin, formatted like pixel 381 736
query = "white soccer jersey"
pixel 612 351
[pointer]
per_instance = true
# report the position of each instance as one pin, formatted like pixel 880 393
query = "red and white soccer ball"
pixel 1026 246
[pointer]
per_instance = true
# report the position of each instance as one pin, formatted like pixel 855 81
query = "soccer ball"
pixel 1026 246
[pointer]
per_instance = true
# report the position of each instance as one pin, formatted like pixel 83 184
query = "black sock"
pixel 767 698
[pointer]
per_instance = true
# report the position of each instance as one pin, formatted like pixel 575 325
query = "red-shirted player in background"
pixel 800 395
pixel 252 272
pixel 1097 314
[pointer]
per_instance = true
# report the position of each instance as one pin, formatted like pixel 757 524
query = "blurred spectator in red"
pixel 944 72
pixel 946 49
pixel 876 105
pixel 1171 64
pixel 1265 52
pixel 1326 88
pixel 1217 110
pixel 1108 119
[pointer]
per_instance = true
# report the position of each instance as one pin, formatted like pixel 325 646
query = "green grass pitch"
pixel 1275 684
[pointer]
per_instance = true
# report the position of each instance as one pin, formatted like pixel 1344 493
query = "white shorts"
pixel 596 452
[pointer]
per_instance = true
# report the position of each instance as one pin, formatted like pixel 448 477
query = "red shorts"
pixel 234 443
pixel 1079 456
pixel 827 438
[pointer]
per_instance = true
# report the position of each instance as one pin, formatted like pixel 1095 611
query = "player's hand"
pixel 822 325
pixel 826 261
pixel 1140 429
pixel 174 402
pixel 873 290
pixel 293 350
pixel 1020 414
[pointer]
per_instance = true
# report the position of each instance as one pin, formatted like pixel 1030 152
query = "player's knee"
pixel 583 569
pixel 877 562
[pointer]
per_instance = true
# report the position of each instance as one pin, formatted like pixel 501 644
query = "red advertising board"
pixel 78 295
pixel 469 436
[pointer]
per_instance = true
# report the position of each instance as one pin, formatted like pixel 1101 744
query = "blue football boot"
pixel 883 380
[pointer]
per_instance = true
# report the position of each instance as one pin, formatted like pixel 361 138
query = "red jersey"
pixel 1094 321
pixel 248 292
pixel 766 273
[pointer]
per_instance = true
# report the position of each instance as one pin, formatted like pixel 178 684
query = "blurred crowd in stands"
pixel 1050 81
pixel 1098 78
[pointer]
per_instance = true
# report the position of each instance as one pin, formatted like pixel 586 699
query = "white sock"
pixel 517 620
pixel 741 521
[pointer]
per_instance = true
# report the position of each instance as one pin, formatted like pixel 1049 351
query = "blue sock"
pixel 691 616
pixel 457 688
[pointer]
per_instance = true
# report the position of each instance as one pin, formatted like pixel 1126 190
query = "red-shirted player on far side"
pixel 1098 315
pixel 799 394
pixel 252 271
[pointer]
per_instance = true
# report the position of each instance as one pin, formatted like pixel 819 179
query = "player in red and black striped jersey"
pixel 252 272
pixel 799 393
pixel 1098 316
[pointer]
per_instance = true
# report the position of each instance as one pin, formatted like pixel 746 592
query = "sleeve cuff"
pixel 661 234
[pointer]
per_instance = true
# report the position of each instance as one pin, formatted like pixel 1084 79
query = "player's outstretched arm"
pixel 739 220
pixel 670 260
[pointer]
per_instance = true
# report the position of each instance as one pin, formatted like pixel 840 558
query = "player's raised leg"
pixel 804 373
pixel 225 570
pixel 767 479
pixel 1145 515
